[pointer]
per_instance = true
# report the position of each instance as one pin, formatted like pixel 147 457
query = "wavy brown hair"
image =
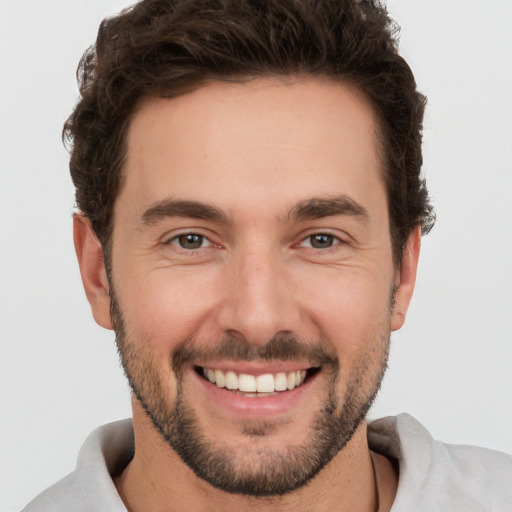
pixel 166 48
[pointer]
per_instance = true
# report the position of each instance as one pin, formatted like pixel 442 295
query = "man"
pixel 250 210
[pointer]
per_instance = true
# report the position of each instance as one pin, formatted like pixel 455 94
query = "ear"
pixel 92 268
pixel 406 279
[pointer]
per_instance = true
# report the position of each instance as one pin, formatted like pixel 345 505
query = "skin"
pixel 254 152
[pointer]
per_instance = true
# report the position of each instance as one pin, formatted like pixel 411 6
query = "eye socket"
pixel 320 241
pixel 190 241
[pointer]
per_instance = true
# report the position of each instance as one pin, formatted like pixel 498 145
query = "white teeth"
pixel 247 383
pixel 280 382
pixel 219 379
pixel 260 385
pixel 290 380
pixel 231 380
pixel 265 383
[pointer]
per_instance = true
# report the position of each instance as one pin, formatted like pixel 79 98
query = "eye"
pixel 190 241
pixel 320 241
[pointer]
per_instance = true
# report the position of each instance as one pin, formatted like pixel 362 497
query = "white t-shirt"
pixel 434 477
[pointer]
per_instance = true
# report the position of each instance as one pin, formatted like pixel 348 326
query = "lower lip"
pixel 252 407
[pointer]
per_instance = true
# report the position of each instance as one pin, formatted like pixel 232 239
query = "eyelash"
pixel 334 240
pixel 181 239
pixel 178 239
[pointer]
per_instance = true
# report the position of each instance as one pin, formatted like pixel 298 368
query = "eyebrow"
pixel 316 208
pixel 310 209
pixel 179 208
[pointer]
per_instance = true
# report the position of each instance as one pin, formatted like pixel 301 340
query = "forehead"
pixel 267 136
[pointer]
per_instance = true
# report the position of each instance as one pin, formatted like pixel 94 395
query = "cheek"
pixel 350 310
pixel 165 307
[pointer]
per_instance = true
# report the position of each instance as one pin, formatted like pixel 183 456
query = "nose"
pixel 258 298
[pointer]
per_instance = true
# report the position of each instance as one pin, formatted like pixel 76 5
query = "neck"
pixel 156 480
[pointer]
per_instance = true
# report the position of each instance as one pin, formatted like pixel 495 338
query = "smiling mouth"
pixel 266 384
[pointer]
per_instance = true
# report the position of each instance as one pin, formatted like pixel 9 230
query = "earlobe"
pixel 92 269
pixel 406 279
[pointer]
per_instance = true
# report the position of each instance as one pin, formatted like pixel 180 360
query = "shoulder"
pixel 433 474
pixel 90 487
pixel 64 495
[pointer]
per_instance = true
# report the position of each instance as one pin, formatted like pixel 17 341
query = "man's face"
pixel 251 248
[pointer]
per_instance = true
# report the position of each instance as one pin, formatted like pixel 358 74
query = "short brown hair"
pixel 166 48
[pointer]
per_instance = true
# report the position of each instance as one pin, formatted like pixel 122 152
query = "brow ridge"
pixel 316 208
pixel 182 208
pixel 309 209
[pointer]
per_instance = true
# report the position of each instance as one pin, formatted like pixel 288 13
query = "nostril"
pixel 236 335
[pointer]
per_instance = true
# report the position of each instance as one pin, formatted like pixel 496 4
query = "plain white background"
pixel 450 365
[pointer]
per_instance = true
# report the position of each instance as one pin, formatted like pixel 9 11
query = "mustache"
pixel 281 347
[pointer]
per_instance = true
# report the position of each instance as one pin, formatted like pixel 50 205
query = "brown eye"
pixel 189 241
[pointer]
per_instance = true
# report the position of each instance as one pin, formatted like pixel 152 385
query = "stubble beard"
pixel 272 473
